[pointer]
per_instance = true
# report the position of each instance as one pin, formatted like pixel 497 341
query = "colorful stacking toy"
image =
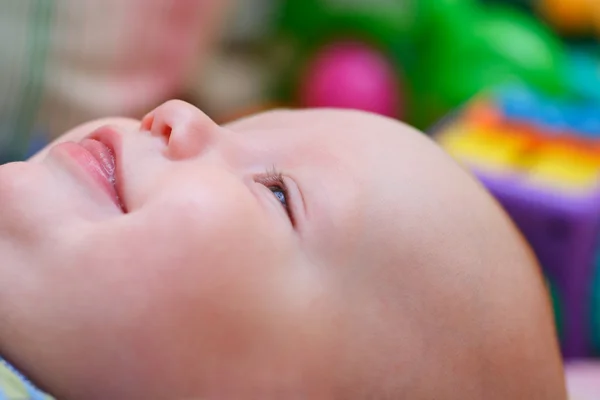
pixel 541 159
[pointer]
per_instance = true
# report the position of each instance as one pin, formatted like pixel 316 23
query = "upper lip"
pixel 110 137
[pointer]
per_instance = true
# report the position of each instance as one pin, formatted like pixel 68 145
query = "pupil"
pixel 279 194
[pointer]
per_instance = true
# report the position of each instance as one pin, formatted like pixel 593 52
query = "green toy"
pixel 497 46
pixel 445 51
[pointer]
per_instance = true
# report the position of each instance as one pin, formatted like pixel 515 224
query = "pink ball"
pixel 352 75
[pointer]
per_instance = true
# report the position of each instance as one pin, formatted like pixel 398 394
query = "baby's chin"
pixel 81 131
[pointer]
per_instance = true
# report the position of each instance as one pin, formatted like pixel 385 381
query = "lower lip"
pixel 97 161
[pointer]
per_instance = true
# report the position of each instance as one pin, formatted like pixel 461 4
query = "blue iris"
pixel 280 194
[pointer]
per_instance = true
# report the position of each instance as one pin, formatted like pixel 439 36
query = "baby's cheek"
pixel 19 193
pixel 216 247
pixel 210 278
pixel 34 204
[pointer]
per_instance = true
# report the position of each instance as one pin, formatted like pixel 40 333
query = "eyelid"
pixel 272 178
pixel 297 203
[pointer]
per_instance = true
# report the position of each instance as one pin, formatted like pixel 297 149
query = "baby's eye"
pixel 275 182
pixel 280 194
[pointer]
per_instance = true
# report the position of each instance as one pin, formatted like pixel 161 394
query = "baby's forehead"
pixel 351 134
pixel 319 121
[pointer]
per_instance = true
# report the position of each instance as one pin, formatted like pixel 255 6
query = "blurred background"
pixel 511 88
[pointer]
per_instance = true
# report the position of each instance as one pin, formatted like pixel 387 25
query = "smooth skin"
pixel 393 276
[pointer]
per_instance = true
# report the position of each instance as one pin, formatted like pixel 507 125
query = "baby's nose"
pixel 187 131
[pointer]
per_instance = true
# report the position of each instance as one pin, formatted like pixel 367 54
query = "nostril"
pixel 166 131
pixel 157 126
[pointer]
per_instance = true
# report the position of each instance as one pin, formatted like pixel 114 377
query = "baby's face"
pixel 326 254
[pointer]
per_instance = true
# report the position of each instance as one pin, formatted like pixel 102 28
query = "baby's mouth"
pixel 105 170
pixel 97 156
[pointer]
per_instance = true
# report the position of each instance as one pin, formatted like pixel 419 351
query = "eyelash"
pixel 273 178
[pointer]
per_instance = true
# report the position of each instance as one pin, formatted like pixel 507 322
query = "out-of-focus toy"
pixel 442 52
pixel 571 17
pixel 540 158
pixel 352 75
pixel 584 73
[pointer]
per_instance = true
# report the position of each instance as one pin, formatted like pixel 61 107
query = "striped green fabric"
pixel 24 32
pixel 33 74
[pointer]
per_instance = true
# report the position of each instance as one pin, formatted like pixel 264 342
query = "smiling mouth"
pixel 104 167
pixel 96 157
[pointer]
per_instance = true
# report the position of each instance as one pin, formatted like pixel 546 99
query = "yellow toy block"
pixel 487 149
pixel 565 169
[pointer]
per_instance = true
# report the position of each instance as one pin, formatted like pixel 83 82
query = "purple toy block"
pixel 562 231
pixel 532 154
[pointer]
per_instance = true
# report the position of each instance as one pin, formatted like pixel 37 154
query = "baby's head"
pixel 293 254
